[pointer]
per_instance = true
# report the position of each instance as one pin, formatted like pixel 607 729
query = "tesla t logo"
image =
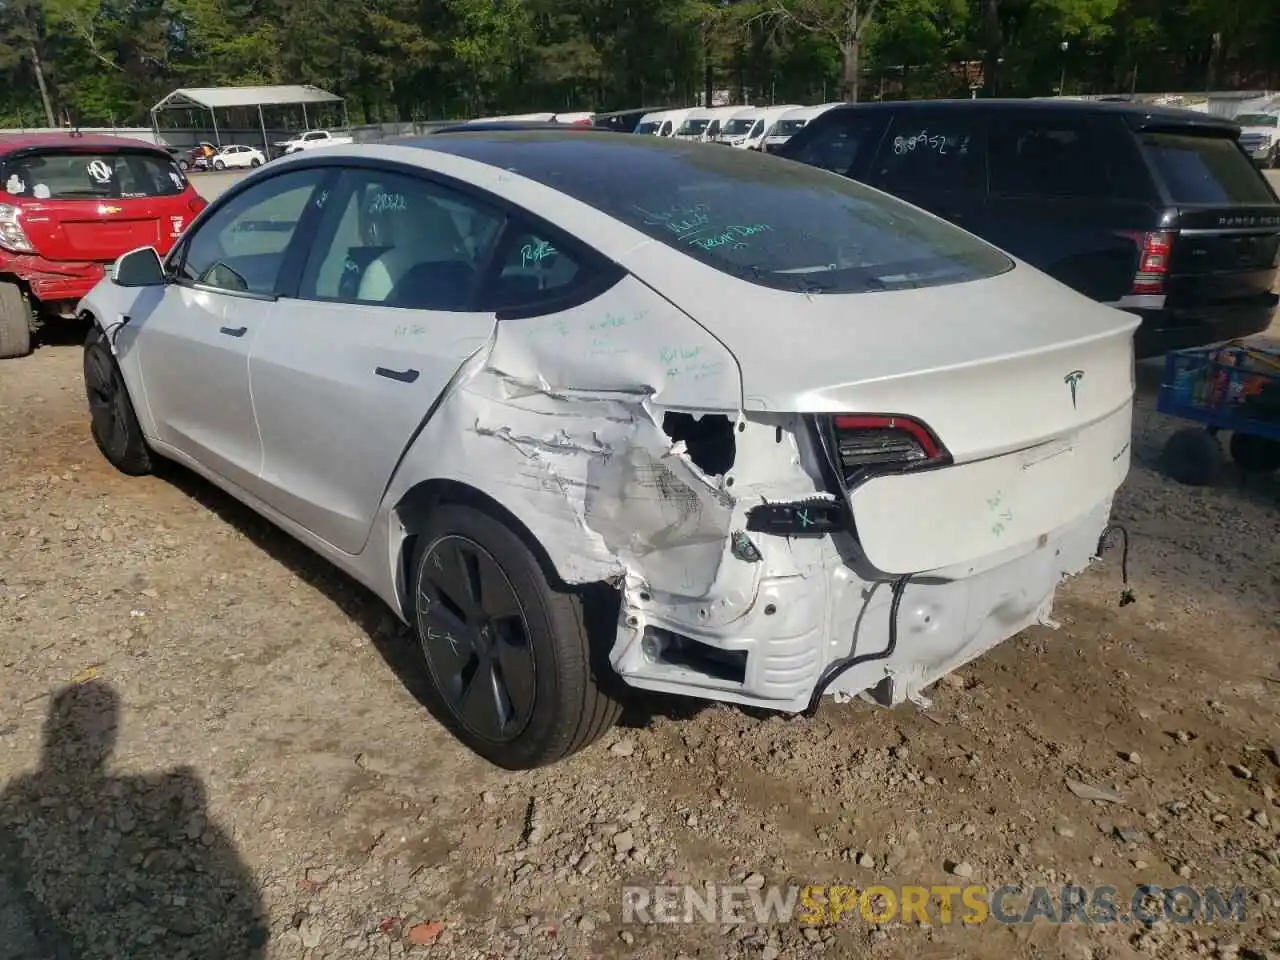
pixel 1072 380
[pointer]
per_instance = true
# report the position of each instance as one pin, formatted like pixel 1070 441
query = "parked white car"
pixel 309 140
pixel 703 123
pixel 693 427
pixel 237 156
pixel 1260 137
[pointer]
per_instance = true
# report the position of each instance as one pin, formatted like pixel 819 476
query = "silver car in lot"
pixel 594 412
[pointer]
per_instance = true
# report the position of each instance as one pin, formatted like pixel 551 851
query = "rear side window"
pixel 104 175
pixel 1047 157
pixel 837 141
pixel 1205 169
pixel 765 219
pixel 932 150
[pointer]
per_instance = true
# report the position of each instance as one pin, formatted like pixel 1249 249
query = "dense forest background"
pixel 108 61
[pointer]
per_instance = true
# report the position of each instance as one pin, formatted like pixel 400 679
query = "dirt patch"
pixel 261 700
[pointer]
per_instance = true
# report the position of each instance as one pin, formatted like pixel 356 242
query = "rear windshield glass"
pixel 692 128
pixel 737 127
pixel 764 219
pixel 785 128
pixel 72 175
pixel 1205 169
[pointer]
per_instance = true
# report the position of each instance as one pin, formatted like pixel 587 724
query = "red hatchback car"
pixel 70 204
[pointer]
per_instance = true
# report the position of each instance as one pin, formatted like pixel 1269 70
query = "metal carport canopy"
pixel 214 99
pixel 219 98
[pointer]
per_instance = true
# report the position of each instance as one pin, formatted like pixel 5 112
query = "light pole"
pixel 1062 80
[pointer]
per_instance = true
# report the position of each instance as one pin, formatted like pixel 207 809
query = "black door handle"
pixel 404 376
pixel 234 331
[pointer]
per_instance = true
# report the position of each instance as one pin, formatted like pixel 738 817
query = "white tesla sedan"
pixel 238 157
pixel 592 412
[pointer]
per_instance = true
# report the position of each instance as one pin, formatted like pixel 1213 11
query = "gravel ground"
pixel 214 747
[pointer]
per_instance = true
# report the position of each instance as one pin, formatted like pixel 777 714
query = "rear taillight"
pixel 12 236
pixel 197 203
pixel 876 443
pixel 1153 261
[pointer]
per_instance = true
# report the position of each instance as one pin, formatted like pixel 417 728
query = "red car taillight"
pixel 877 442
pixel 1153 261
pixel 197 203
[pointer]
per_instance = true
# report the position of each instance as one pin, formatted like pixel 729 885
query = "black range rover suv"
pixel 1153 210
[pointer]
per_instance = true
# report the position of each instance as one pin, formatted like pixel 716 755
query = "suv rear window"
pixel 91 175
pixel 1205 169
pixel 766 220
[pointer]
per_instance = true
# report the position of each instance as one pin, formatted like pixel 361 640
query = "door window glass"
pixel 931 150
pixel 401 241
pixel 1047 157
pixel 241 246
pixel 837 141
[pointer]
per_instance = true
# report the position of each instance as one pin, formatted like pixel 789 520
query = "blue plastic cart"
pixel 1233 387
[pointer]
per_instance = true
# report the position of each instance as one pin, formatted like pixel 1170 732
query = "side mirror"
pixel 138 268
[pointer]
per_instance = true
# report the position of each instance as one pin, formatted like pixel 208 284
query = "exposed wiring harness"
pixel 1126 594
pixel 835 669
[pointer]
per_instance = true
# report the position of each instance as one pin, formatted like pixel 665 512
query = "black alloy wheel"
pixel 476 639
pixel 112 419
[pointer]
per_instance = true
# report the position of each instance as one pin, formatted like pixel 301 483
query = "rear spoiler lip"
pixel 1196 124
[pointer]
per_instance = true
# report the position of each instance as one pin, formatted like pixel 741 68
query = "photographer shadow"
pixel 94 865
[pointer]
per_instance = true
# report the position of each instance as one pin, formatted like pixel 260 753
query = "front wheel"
pixel 509 656
pixel 219 165
pixel 113 422
pixel 255 162
pixel 184 164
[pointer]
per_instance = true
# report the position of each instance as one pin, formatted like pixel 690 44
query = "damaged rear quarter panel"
pixel 559 419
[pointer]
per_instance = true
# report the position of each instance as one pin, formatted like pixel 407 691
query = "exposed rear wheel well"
pixel 417 504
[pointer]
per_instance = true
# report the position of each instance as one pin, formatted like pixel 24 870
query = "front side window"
pixel 932 150
pixel 764 219
pixel 838 141
pixel 241 246
pixel 400 241
pixel 97 175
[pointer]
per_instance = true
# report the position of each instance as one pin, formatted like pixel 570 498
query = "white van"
pixel 746 129
pixel 719 117
pixel 790 122
pixel 695 123
pixel 661 124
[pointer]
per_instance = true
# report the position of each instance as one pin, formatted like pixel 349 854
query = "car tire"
pixel 1273 160
pixel 255 162
pixel 112 419
pixel 15 322
pixel 523 648
pixel 1193 456
pixel 184 164
pixel 1254 454
pixel 219 165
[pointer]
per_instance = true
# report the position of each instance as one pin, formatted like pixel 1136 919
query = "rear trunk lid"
pixel 95 204
pixel 1225 219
